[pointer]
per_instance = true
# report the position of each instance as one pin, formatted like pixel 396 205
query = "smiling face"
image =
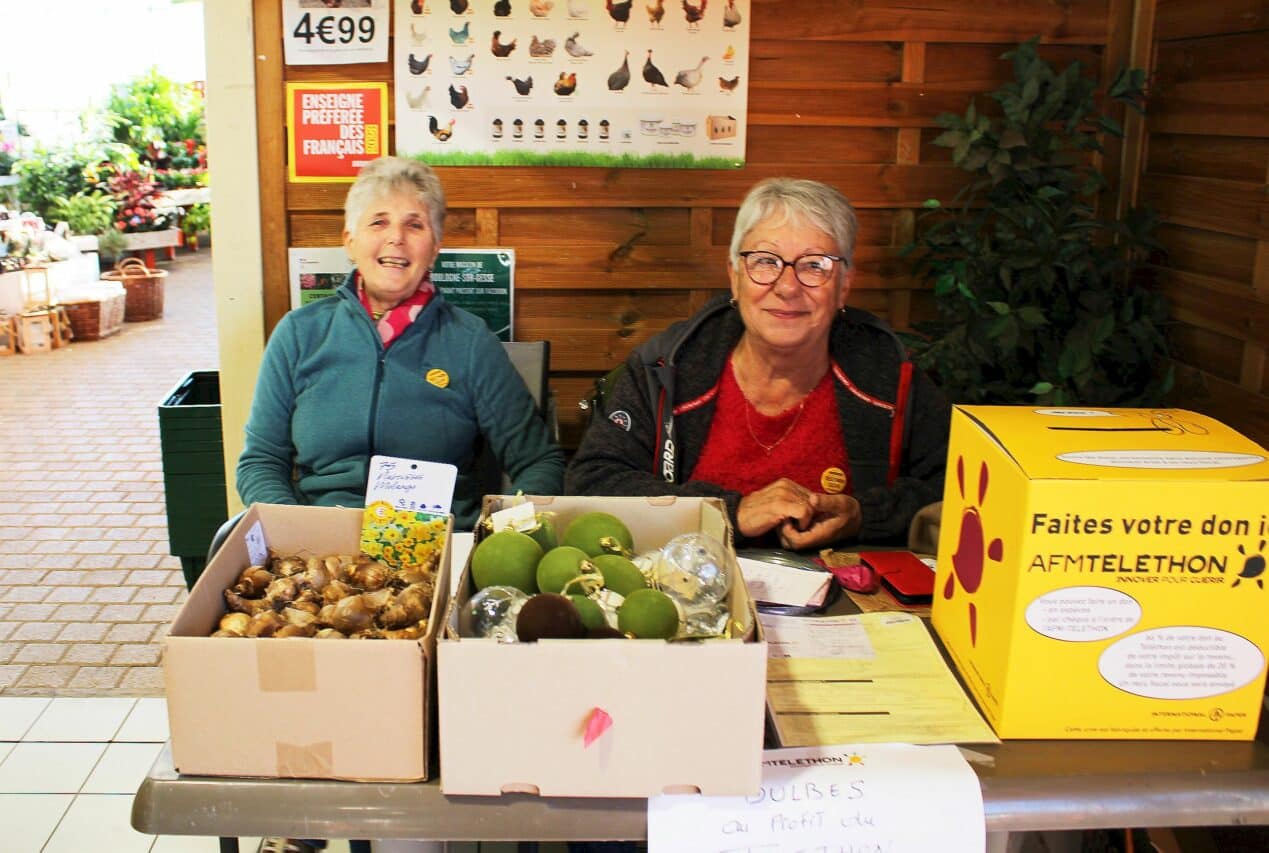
pixel 787 315
pixel 393 246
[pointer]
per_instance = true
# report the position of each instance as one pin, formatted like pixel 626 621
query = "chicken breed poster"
pixel 640 83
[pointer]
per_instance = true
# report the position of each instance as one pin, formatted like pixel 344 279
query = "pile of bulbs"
pixel 329 598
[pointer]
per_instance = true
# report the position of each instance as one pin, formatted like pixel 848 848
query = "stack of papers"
pixel 773 583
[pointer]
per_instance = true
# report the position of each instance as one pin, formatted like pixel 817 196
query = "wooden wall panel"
pixel 844 92
pixel 1207 172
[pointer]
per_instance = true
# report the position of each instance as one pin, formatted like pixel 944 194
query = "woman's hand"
pixel 834 517
pixel 805 519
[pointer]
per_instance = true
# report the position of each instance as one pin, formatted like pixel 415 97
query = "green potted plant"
pixel 87 214
pixel 1039 299
pixel 197 219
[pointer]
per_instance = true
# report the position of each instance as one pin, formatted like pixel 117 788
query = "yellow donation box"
pixel 1101 572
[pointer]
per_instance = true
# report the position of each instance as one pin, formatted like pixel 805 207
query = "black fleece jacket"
pixel 894 420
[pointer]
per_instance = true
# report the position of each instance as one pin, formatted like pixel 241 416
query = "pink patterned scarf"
pixel 396 320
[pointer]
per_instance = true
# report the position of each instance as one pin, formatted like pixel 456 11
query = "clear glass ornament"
pixel 491 613
pixel 693 569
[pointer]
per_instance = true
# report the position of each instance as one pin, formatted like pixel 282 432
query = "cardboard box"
pixel 1101 572
pixel 315 709
pixel 685 715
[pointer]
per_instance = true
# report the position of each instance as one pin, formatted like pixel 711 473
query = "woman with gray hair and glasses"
pixel 804 415
pixel 386 366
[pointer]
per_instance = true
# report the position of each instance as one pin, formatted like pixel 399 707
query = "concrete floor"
pixel 87 586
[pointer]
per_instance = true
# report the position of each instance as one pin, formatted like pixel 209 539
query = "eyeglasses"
pixel 810 270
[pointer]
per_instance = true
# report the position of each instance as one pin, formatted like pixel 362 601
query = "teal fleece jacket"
pixel 329 396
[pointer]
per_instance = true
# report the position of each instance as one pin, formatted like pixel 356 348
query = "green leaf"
pixel 1040 388
pixel 999 307
pixel 931 204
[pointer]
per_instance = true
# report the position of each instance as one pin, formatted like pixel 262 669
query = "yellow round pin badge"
pixel 833 480
pixel 438 377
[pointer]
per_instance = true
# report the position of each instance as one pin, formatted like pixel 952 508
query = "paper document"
pixel 802 637
pixel 773 583
pixel 834 798
pixel 903 692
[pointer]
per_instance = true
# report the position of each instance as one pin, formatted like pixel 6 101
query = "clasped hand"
pixel 804 519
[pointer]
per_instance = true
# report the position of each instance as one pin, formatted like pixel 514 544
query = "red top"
pixel 746 450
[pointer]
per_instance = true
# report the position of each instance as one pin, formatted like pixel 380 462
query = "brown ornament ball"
pixel 548 616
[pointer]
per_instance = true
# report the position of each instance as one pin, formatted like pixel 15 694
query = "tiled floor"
pixel 87 585
pixel 69 768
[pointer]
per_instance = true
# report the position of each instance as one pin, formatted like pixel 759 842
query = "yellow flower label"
pixel 438 377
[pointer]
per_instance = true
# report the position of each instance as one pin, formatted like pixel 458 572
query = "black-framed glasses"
pixel 811 270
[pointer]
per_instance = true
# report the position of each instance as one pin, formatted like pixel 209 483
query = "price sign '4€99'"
pixel 320 33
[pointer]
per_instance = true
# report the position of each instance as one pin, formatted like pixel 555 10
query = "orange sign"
pixel 335 129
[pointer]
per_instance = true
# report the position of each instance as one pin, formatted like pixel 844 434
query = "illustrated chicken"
pixel 458 7
pixel 567 84
pixel 652 74
pixel 416 7
pixel 690 78
pixel 731 15
pixel 539 8
pixel 541 47
pixel 523 87
pixel 619 12
pixel 441 133
pixel 620 78
pixel 577 8
pixel 728 85
pixel 574 47
pixel 461 66
pixel 729 54
pixel 694 14
pixel 459 36
pixel 458 96
pixel 418 100
pixel 418 66
pixel 656 12
pixel 416 36
pixel 502 8
pixel 500 49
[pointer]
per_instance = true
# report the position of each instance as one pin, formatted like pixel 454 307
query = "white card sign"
pixel 834 798
pixel 316 33
pixel 411 484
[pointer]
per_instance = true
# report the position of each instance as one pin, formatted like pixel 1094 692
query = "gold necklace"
pixel 770 447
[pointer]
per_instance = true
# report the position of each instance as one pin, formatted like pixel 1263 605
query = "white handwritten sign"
pixel 411 484
pixel 834 799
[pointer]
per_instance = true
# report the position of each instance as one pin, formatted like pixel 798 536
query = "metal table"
pixel 1027 785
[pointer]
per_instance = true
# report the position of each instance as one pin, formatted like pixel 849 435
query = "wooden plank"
pixel 1074 21
pixel 1179 19
pixel 271 145
pixel 1218 354
pixel 1218 108
pixel 1209 253
pixel 856 104
pixel 794 61
pixel 1234 158
pixel 981 66
pixel 786 147
pixel 570 266
pixel 1231 207
pixel 1192 300
pixel 881 185
pixel 1244 56
pixel 1245 411
pixel 650 225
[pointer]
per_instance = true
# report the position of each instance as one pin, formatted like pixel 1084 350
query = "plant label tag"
pixel 411 484
pixel 519 517
pixel 257 547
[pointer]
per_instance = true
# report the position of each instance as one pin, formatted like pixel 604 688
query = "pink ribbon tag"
pixel 598 723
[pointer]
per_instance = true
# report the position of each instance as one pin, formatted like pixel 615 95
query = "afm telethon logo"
pixel 969 563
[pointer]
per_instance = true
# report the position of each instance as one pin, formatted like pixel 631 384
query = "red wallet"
pixel 903 573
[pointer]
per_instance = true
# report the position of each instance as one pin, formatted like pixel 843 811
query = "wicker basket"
pixel 93 319
pixel 144 287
